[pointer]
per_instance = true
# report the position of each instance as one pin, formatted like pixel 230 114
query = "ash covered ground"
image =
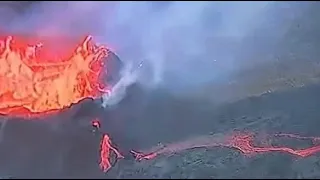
pixel 145 118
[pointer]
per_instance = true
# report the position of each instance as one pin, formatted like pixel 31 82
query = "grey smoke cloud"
pixel 175 37
pixel 182 44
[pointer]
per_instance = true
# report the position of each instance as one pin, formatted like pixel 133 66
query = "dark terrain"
pixel 278 96
pixel 33 149
pixel 294 112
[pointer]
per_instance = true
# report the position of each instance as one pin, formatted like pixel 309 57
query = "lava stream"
pixel 106 146
pixel 105 149
pixel 242 142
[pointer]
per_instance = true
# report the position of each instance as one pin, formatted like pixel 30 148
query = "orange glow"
pixel 96 123
pixel 242 142
pixel 32 83
pixel 105 153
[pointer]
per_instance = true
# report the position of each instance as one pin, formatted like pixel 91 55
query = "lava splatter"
pixel 243 142
pixel 35 84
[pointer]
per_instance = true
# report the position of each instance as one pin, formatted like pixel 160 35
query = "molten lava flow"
pixel 106 146
pixel 208 141
pixel 242 142
pixel 105 149
pixel 35 84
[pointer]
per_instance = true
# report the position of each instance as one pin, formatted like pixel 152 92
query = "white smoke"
pixel 176 37
pixel 185 44
pixel 129 75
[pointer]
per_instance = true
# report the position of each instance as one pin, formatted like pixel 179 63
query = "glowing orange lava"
pixel 105 149
pixel 105 153
pixel 242 142
pixel 32 83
